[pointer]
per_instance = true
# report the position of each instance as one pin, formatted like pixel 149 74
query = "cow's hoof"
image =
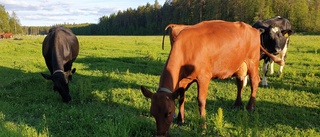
pixel 179 123
pixel 237 107
pixel 238 104
pixel 264 86
pixel 250 109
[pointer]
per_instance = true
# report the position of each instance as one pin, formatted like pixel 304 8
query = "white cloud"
pixel 44 12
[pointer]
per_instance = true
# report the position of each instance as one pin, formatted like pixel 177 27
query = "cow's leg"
pixel 203 85
pixel 283 54
pixel 271 67
pixel 180 118
pixel 264 72
pixel 241 83
pixel 254 82
pixel 184 83
pixel 67 68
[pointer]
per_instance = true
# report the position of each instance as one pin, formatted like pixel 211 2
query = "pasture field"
pixel 107 100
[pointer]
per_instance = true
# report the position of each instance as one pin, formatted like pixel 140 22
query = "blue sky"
pixel 51 12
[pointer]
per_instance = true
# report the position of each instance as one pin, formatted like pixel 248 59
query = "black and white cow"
pixel 275 39
pixel 59 49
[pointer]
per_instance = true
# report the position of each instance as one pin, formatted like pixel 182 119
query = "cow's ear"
pixel 179 92
pixel 147 93
pixel 261 30
pixel 73 70
pixel 46 76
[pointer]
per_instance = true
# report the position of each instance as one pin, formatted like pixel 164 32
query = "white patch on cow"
pixel 271 67
pixel 283 54
pixel 275 29
pixel 264 81
pixel 264 71
pixel 281 69
pixel 245 81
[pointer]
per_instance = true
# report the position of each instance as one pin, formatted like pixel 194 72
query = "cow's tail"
pixel 164 33
pixel 273 57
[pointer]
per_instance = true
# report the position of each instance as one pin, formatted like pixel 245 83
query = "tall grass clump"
pixel 151 56
pixel 218 121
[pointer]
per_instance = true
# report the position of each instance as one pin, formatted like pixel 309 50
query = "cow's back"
pixel 68 42
pixel 220 49
pixel 282 23
pixel 59 47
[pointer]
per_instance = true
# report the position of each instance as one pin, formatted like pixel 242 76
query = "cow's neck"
pixel 167 80
pixel 57 59
pixel 170 74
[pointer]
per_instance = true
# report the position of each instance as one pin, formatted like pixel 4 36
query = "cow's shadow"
pixel 278 81
pixel 266 115
pixel 29 98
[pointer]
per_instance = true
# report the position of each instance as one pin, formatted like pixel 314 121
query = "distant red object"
pixel 6 35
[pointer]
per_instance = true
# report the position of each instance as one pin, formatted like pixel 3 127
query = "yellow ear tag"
pixel 286 35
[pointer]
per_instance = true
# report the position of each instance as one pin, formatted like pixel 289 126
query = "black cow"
pixel 59 49
pixel 275 39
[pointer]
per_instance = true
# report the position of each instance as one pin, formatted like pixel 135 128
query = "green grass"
pixel 107 100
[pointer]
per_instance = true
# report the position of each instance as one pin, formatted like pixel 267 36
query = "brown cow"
pixel 210 49
pixel 174 30
pixel 7 35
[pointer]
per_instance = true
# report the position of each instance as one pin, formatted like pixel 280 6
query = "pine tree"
pixel 4 20
pixel 14 23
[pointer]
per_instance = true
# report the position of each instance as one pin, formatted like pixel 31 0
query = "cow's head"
pixel 162 108
pixel 274 39
pixel 60 82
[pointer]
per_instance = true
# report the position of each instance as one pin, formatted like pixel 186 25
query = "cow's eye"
pixel 167 114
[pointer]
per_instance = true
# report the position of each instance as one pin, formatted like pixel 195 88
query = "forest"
pixel 9 23
pixel 151 19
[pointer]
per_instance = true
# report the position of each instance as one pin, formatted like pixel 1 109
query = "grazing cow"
pixel 275 39
pixel 59 49
pixel 6 35
pixel 174 30
pixel 210 49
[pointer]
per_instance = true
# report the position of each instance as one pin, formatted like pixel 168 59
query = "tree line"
pixel 151 19
pixel 9 23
